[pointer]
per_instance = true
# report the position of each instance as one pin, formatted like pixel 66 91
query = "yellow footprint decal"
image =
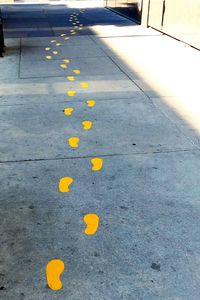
pixel 68 111
pixel 66 38
pixel 77 71
pixel 63 34
pixel 71 78
pixel 63 66
pixel 64 184
pixel 92 223
pixel 54 269
pixel 55 52
pixel 58 44
pixel 73 142
pixel 97 163
pixel 53 41
pixel 84 84
pixel 48 57
pixel 91 103
pixel 71 93
pixel 87 125
pixel 66 60
pixel 47 49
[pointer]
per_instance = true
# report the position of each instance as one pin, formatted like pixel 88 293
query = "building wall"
pixel 178 18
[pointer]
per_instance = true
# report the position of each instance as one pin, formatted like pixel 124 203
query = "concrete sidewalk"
pixel 146 130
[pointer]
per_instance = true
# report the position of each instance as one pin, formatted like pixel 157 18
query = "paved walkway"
pixel 145 129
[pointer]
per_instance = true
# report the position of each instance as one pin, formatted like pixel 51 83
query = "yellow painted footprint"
pixel 63 34
pixel 71 93
pixel 68 111
pixel 91 103
pixel 64 184
pixel 87 125
pixel 66 60
pixel 92 223
pixel 48 57
pixel 48 48
pixel 63 66
pixel 54 269
pixel 55 52
pixel 97 163
pixel 84 84
pixel 71 78
pixel 73 142
pixel 77 71
pixel 53 41
pixel 66 38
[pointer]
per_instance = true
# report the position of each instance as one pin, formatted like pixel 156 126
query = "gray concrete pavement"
pixel 147 193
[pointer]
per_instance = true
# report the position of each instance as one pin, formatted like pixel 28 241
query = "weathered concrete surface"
pixel 147 193
pixel 147 246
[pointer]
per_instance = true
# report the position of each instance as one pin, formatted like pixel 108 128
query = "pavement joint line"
pixel 20 53
pixel 125 36
pixel 102 155
pixel 80 57
pixel 64 101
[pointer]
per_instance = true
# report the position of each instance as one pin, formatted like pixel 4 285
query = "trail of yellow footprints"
pixel 55 267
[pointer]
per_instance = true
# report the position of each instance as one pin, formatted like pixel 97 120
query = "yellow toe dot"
pixel 73 33
pixel 77 71
pixel 71 93
pixel 68 111
pixel 73 142
pixel 66 38
pixel 71 78
pixel 97 163
pixel 84 84
pixel 54 270
pixel 63 66
pixel 66 60
pixel 64 184
pixel 53 41
pixel 48 56
pixel 55 52
pixel 87 125
pixel 58 44
pixel 47 49
pixel 92 223
pixel 72 30
pixel 63 34
pixel 80 28
pixel 91 103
